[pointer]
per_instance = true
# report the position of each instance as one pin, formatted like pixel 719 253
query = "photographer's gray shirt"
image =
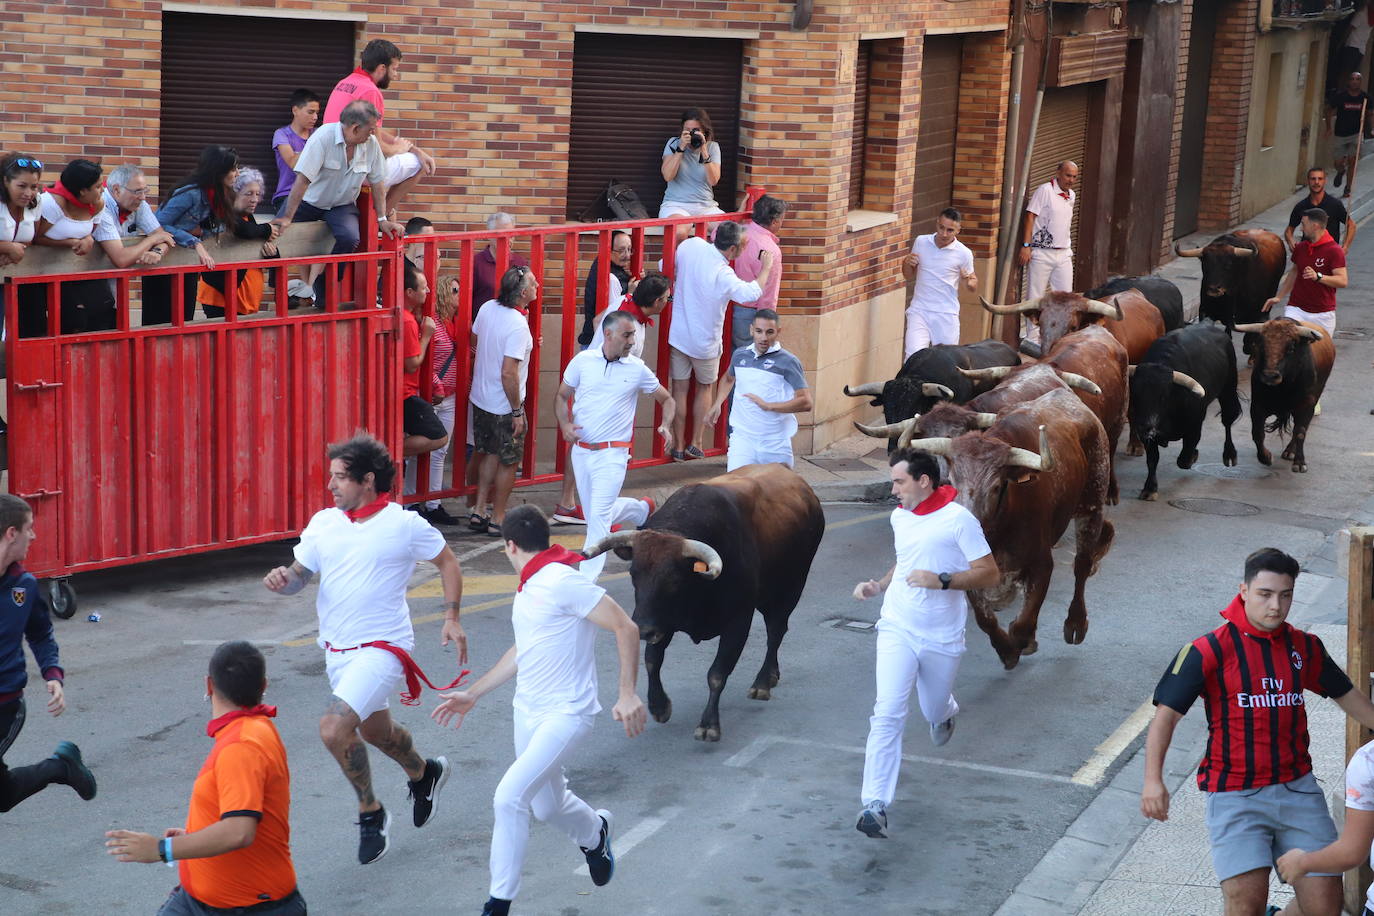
pixel 689 185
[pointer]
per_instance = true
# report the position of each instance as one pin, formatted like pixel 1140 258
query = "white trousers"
pixel 599 474
pixel 535 783
pixel 903 662
pixel 1049 268
pixel 1321 319
pixel 924 328
pixel 445 410
pixel 745 449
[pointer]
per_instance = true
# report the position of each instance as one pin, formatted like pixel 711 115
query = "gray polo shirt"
pixel 775 376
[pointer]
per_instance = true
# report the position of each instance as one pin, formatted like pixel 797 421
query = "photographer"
pixel 691 166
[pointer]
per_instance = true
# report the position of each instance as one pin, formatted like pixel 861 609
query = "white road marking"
pixel 745 756
pixel 478 551
pixel 1091 773
pixel 623 843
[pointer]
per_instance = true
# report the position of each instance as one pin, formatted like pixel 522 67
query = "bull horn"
pixel 1098 307
pixel 1187 252
pixel 1025 458
pixel 983 420
pixel 699 550
pixel 991 374
pixel 887 430
pixel 610 542
pixel 1081 382
pixel 932 390
pixel 936 445
pixel 1187 381
pixel 1130 371
pixel 1242 252
pixel 1255 328
pixel 867 389
pixel 1309 333
pixel 1025 305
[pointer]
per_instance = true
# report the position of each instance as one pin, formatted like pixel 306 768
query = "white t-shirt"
pixel 1053 216
pixel 63 226
pixel 946 540
pixel 606 394
pixel 554 643
pixel 704 287
pixel 364 568
pixel 1359 789
pixel 938 273
pixel 1359 31
pixel 599 334
pixel 501 332
pixel 21 231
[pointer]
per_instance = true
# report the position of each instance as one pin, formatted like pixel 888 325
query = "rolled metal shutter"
pixel 941 59
pixel 1062 134
pixel 229 79
pixel 628 92
pixel 859 138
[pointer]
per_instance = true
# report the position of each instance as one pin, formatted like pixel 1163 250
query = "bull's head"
pixel 945 420
pixel 1281 340
pixel 665 569
pixel 997 373
pixel 904 397
pixel 982 467
pixel 1218 264
pixel 1151 385
pixel 1058 313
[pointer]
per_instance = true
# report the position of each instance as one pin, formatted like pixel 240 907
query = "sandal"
pixel 693 452
pixel 477 523
pixel 493 529
pixel 681 456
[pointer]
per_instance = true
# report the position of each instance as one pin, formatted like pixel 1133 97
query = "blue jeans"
pixel 342 220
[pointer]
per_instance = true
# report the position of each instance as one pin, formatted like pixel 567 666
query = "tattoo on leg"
pixel 400 747
pixel 353 762
pixel 337 707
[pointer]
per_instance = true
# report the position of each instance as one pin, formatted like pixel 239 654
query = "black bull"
pixel 711 555
pixel 1240 271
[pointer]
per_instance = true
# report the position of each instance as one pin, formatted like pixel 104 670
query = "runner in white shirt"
pixel 605 384
pixel 555 615
pixel 937 263
pixel 941 553
pixel 770 390
pixel 364 550
pixel 1047 238
pixel 1356 842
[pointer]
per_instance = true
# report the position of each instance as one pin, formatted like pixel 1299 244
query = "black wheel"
pixel 62 598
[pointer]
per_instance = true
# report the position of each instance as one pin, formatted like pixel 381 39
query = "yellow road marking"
pixel 1091 773
pixel 856 521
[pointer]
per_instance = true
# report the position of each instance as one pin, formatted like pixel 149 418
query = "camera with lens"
pixel 697 139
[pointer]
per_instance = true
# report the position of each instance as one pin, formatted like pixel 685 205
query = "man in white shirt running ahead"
pixel 364 550
pixel 605 383
pixel 937 263
pixel 555 615
pixel 941 553
pixel 1357 834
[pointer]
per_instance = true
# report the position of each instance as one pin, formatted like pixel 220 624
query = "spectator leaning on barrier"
pixel 618 278
pixel 423 430
pixel 484 262
pixel 129 216
pixel 21 182
pixel 69 214
pixel 691 166
pixel 288 141
pixel 759 236
pixel 196 212
pixel 405 162
pixel 248 193
pixel 234 854
pixel 706 284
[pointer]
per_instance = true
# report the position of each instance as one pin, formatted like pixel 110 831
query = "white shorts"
pixel 364 678
pixel 747 450
pixel 400 167
pixel 676 208
pixel 1321 319
pixel 924 328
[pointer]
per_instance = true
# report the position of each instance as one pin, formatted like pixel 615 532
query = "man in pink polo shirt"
pixel 759 236
pixel 381 61
pixel 1318 271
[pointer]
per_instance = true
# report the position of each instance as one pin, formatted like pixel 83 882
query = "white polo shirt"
pixel 946 540
pixel 775 376
pixel 704 286
pixel 607 392
pixel 335 179
pixel 364 568
pixel 555 644
pixel 501 332
pixel 938 272
pixel 1053 216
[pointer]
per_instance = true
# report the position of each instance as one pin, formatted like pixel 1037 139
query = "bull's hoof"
pixel 1228 459
pixel 1286 454
pixel 1185 461
pixel 1265 457
pixel 1149 495
pixel 663 713
pixel 706 734
pixel 1032 646
pixel 760 693
pixel 1075 631
pixel 1299 467
pixel 1113 499
pixel 1135 449
pixel 1010 662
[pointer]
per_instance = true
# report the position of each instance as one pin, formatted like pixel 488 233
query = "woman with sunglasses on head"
pixel 68 216
pixel 20 184
pixel 197 211
pixel 248 193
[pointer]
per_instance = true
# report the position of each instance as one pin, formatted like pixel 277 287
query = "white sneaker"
pixel 940 732
pixel 873 821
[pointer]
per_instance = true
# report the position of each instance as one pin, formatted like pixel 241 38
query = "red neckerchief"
pixel 60 190
pixel 628 304
pixel 1235 612
pixel 942 497
pixel 216 724
pixel 363 513
pixel 555 554
pixel 1064 194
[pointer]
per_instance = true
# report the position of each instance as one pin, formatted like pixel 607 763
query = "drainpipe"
pixel 1008 235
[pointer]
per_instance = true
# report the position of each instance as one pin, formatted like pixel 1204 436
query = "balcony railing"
pixel 1295 12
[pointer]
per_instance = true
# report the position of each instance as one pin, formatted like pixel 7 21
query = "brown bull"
pixel 1025 504
pixel 1292 363
pixel 1128 316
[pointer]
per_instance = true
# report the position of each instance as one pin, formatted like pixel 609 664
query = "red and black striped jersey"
pixel 1252 684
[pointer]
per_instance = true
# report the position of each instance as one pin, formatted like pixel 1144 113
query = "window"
pixel 1271 100
pixel 877 117
pixel 859 138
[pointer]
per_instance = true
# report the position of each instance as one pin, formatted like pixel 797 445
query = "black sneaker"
pixel 77 776
pixel 1340 177
pixel 424 792
pixel 496 907
pixel 440 516
pixel 873 821
pixel 373 839
pixel 601 861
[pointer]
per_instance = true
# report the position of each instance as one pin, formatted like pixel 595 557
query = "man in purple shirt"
pixel 484 263
pixel 288 141
pixel 759 236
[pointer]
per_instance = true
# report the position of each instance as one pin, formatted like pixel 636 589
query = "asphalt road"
pixel 761 822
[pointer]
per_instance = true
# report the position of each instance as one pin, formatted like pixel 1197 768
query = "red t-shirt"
pixel 1323 256
pixel 410 340
pixel 357 86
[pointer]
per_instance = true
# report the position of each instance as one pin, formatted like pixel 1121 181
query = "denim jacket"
pixel 187 216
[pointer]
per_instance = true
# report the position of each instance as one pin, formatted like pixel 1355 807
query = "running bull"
pixel 1128 316
pixel 1292 363
pixel 1163 295
pixel 1240 272
pixel 711 555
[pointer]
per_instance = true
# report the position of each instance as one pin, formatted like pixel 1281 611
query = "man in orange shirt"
pixel 235 851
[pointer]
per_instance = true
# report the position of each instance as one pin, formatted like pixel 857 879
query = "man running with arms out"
pixel 26 618
pixel 364 550
pixel 555 617
pixel 941 553
pixel 1262 799
pixel 235 853
pixel 607 381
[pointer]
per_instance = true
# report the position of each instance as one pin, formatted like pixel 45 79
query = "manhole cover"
pixel 1214 506
pixel 1352 333
pixel 840 464
pixel 1239 472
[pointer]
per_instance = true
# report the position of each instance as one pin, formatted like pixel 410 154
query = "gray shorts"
pixel 1250 829
pixel 1344 147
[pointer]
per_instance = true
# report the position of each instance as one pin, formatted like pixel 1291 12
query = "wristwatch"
pixel 1319 276
pixel 945 579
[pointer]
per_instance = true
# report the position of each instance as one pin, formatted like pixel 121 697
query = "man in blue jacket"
pixel 24 615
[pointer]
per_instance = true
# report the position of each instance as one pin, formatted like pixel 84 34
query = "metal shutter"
pixel 859 137
pixel 1062 134
pixel 229 79
pixel 627 94
pixel 940 62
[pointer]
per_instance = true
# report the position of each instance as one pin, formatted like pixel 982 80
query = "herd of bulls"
pixel 1031 444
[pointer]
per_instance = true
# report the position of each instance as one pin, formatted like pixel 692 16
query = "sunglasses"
pixel 29 164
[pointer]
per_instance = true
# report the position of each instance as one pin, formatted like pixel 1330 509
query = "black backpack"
pixel 623 202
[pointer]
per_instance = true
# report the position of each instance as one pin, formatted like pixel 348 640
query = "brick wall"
pixel 1185 29
pixel 1228 114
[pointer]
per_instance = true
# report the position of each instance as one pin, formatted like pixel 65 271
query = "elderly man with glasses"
pixel 128 215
